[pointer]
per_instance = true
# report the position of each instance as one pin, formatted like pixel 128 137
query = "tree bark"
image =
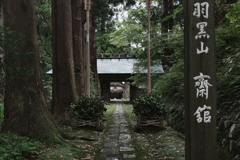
pixel 167 25
pixel 77 27
pixel 171 20
pixel 64 85
pixel 25 108
pixel 93 55
pixel 164 15
pixel 79 43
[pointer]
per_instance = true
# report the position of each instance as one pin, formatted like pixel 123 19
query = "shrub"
pixel 86 107
pixel 171 84
pixel 150 106
pixel 13 147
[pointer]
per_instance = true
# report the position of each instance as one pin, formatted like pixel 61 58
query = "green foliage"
pixel 103 15
pixel 43 13
pixel 1 113
pixel 175 117
pixel 234 13
pixel 2 76
pixel 86 107
pixel 44 25
pixel 131 35
pixel 150 106
pixel 13 147
pixel 171 84
pixel 128 32
pixel 228 60
pixel 104 45
pixel 229 85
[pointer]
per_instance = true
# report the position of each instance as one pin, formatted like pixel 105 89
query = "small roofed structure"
pixel 119 70
pixel 113 71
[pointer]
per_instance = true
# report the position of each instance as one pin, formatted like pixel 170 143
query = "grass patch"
pixel 153 142
pixel 128 110
pixel 110 110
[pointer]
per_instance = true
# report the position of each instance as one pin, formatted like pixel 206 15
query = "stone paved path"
pixel 118 144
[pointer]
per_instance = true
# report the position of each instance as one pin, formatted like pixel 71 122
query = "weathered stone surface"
pixel 124 128
pixel 113 158
pixel 129 156
pixel 111 144
pixel 125 144
pixel 124 138
pixel 126 149
pixel 113 136
pixel 114 130
pixel 123 121
pixel 110 151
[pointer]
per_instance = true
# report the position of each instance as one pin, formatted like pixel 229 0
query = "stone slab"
pixel 129 156
pixel 112 158
pixel 126 149
pixel 124 138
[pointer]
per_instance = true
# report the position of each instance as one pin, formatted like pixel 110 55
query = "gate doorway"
pixel 119 91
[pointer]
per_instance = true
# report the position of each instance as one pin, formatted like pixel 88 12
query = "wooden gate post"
pixel 200 80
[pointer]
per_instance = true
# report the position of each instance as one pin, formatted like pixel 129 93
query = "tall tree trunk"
pixel 64 85
pixel 87 54
pixel 79 49
pixel 167 24
pixel 164 15
pixel 171 20
pixel 25 108
pixel 93 55
pixel 79 43
pixel 84 66
pixel 77 30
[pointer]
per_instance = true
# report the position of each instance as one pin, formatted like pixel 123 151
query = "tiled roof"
pixel 119 66
pixel 115 66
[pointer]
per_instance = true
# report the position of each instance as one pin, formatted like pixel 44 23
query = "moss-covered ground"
pixel 86 143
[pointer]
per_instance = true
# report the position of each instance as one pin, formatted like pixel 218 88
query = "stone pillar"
pixel 105 90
